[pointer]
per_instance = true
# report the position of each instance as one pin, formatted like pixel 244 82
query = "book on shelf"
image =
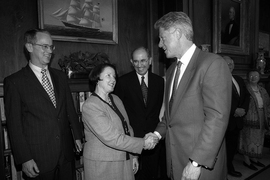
pixel 6 139
pixel 2 109
pixel 82 98
pixel 15 174
pixel 7 166
pixel 79 174
pixel 79 98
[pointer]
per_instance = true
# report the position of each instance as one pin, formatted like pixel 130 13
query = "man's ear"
pixel 150 60
pixel 178 33
pixel 29 47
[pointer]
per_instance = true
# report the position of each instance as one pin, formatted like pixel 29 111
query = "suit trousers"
pixel 232 137
pixel 65 170
pixel 149 164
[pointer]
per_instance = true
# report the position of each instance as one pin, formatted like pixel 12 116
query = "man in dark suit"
pixel 197 104
pixel 41 117
pixel 143 112
pixel 239 107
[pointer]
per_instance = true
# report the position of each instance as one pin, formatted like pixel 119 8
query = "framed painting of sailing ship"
pixel 93 21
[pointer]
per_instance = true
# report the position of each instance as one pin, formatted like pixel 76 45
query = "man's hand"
pixel 191 172
pixel 30 168
pixel 150 141
pixel 239 112
pixel 78 145
pixel 135 165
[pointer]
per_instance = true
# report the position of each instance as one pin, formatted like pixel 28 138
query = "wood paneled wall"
pixel 135 28
pixel 18 16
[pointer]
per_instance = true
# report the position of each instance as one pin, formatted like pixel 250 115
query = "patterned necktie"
pixel 47 86
pixel 175 83
pixel 144 90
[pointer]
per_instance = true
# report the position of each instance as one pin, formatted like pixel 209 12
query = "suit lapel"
pixel 135 85
pixel 34 82
pixel 169 78
pixel 184 82
pixel 151 90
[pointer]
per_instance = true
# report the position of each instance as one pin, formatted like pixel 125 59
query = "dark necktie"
pixel 47 86
pixel 234 88
pixel 175 82
pixel 144 90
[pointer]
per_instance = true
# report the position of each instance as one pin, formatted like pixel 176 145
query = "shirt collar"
pixel 140 76
pixel 187 56
pixel 145 77
pixel 35 68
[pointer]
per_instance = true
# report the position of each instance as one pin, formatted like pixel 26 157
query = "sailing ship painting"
pixel 93 21
pixel 83 16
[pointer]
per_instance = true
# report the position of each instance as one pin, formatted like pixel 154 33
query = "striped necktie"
pixel 47 86
pixel 144 90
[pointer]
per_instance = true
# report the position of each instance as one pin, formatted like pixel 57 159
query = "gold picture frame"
pixel 222 42
pixel 88 21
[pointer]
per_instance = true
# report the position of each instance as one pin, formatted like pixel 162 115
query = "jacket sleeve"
pixel 108 128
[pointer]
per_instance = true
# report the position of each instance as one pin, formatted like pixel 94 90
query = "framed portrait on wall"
pixel 92 21
pixel 230 27
pixel 264 43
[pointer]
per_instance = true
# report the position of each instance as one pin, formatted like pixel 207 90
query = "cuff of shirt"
pixel 158 135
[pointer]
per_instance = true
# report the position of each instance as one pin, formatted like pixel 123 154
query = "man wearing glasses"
pixel 142 94
pixel 41 117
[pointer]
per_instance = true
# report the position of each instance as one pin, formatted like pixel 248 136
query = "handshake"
pixel 150 141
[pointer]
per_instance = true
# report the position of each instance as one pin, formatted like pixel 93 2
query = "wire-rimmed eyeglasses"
pixel 46 47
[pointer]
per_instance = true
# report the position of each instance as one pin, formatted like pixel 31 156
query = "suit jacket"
pixel 143 119
pixel 199 116
pixel 228 37
pixel 104 132
pixel 37 129
pixel 241 101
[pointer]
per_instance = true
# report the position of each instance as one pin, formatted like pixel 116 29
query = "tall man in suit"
pixel 143 112
pixel 239 107
pixel 197 104
pixel 41 118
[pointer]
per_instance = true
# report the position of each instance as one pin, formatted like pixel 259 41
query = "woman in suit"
pixel 108 134
pixel 255 123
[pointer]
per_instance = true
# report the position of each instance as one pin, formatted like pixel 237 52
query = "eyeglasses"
pixel 46 47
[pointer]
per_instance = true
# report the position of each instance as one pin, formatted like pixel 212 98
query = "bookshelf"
pixel 7 163
pixel 2 159
pixel 8 170
pixel 80 90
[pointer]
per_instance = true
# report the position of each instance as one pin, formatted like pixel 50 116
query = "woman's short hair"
pixel 94 75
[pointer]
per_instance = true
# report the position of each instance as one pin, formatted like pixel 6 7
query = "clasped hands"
pixel 150 141
pixel 239 112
